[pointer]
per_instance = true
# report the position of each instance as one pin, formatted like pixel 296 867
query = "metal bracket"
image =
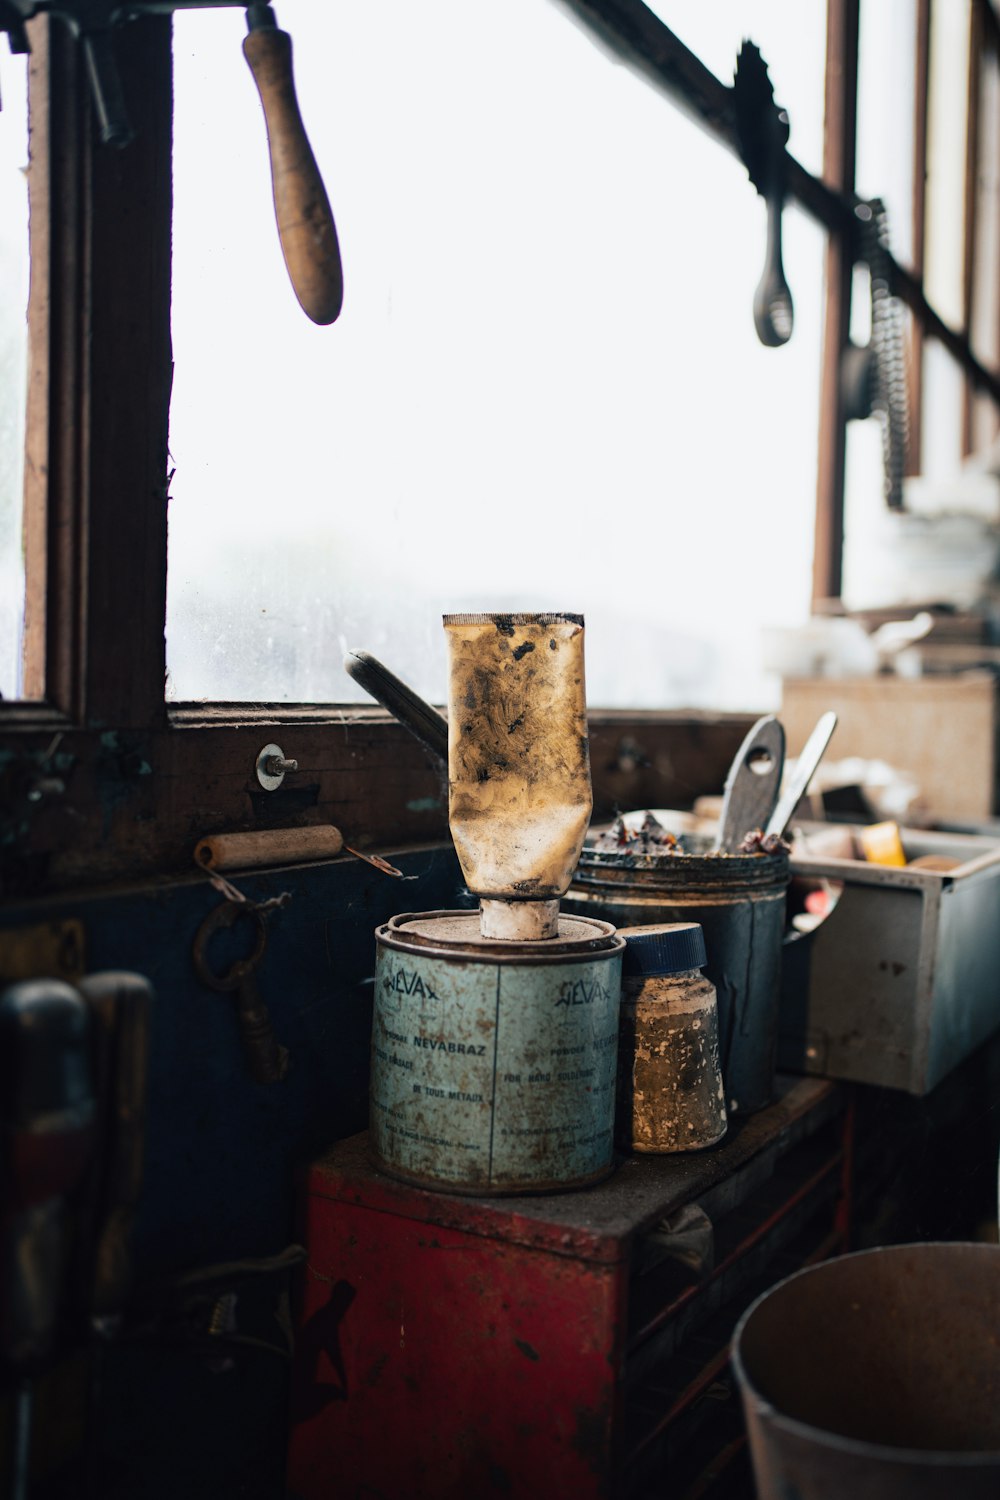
pixel 271 767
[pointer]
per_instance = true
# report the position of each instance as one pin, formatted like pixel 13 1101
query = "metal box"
pixel 456 1348
pixel 901 980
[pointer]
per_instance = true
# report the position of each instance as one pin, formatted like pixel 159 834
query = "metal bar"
pixel 759 1232
pixel 839 153
pixel 973 91
pixel 706 1481
pixel 920 88
pixel 638 37
pixel 843 1219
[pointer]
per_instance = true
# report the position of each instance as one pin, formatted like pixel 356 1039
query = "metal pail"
pixel 877 1377
pixel 739 900
pixel 494 1063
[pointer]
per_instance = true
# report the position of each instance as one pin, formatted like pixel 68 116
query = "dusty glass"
pixel 13 365
pixel 544 392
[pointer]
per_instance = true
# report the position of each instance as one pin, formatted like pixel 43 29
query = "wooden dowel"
pixel 275 846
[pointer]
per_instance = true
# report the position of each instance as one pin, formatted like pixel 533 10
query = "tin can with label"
pixel 494 1063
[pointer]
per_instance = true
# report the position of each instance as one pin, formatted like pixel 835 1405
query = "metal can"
pixel 874 1375
pixel 670 1085
pixel 494 1063
pixel 739 901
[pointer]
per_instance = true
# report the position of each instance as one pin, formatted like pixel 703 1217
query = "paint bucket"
pixel 739 901
pixel 877 1376
pixel 493 1062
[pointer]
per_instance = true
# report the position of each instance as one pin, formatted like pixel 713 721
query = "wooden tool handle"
pixel 273 846
pixel 305 223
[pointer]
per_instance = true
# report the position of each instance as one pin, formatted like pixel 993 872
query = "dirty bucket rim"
pixel 606 945
pixel 976 1458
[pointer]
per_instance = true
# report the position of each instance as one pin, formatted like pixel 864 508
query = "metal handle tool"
pixel 812 753
pixel 266 1059
pixel 429 726
pixel 773 314
pixel 121 1006
pixel 752 784
pixel 46 1139
pixel 762 132
pixel 306 228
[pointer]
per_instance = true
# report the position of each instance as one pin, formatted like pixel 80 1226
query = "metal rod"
pixel 640 38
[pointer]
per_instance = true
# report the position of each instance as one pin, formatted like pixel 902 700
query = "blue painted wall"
pixel 221 1150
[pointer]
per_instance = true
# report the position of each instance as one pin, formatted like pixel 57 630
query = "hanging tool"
pixel 306 228
pixel 873 375
pixel 752 784
pixel 121 1008
pixel 762 131
pixel 46 1138
pixel 423 721
pixel 266 1059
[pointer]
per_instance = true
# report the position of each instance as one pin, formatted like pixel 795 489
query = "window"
pixel 645 367
pixel 545 387
pixel 13 368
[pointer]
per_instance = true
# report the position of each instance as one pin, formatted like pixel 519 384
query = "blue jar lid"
pixel 671 948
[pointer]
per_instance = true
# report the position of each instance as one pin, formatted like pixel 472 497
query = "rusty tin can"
pixel 494 1063
pixel 670 1094
pixel 739 901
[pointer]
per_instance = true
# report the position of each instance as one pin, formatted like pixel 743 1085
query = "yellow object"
pixel 881 844
pixel 518 764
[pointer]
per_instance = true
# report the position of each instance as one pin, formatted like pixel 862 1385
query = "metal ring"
pixel 223 917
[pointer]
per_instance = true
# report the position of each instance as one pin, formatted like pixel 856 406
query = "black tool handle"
pixel 430 727
pixel 305 222
pixel 773 314
pixel 106 88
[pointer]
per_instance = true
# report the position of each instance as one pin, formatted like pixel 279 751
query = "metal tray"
pixel 901 980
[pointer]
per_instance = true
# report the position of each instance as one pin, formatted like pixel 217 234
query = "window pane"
pixel 986 284
pixel 887 61
pixel 13 365
pixel 545 389
pixel 947 114
pixel 944 398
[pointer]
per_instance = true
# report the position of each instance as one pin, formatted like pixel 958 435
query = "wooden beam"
pixel 971 216
pixel 54 522
pixel 638 37
pixel 128 378
pixel 839 155
pixel 921 84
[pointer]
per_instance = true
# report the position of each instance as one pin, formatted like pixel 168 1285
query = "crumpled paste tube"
pixel 518 764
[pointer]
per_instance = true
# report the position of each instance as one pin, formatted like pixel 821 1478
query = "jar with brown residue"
pixel 670 1093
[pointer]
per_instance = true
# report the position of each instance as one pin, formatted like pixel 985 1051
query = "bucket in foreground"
pixel 877 1376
